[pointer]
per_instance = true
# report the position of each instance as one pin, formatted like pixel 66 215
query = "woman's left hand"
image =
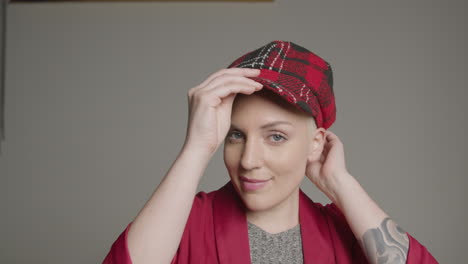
pixel 328 170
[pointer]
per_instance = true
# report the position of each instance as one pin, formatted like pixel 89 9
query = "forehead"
pixel 265 106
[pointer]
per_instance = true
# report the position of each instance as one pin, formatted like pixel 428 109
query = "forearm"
pixel 156 231
pixel 381 239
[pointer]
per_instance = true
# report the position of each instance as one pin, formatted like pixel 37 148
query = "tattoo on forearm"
pixel 387 243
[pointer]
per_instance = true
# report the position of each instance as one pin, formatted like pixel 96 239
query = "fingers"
pixel 248 72
pixel 331 137
pixel 217 94
pixel 229 79
pixel 223 75
pixel 224 90
pixel 224 83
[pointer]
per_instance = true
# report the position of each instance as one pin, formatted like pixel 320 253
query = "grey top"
pixel 283 247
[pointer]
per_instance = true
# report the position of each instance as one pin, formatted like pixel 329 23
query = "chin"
pixel 257 201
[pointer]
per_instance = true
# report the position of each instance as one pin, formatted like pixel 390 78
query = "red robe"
pixel 216 232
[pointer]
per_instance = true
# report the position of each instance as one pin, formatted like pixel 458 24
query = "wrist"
pixel 343 189
pixel 196 153
pixel 190 164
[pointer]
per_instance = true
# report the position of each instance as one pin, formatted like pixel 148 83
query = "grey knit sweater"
pixel 283 247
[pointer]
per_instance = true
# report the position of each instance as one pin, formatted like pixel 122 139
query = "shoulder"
pixel 337 220
pixel 329 210
pixel 339 233
pixel 203 202
pixel 204 198
pixel 329 215
pixel 333 211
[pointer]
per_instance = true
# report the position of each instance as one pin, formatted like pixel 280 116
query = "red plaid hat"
pixel 297 75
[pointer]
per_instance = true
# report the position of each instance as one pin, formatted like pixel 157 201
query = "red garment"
pixel 216 232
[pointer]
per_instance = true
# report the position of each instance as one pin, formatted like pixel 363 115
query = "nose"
pixel 252 155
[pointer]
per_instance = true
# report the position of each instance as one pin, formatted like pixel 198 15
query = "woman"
pixel 271 108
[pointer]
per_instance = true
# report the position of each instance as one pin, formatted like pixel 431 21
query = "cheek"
pixel 231 158
pixel 289 160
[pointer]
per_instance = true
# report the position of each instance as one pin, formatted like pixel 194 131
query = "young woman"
pixel 271 107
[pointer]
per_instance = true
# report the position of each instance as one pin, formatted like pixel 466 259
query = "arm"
pixel 381 239
pixel 156 231
pixel 154 235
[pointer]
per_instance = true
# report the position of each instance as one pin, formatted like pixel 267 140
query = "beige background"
pixel 96 110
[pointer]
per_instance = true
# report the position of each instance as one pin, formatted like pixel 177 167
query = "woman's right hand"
pixel 210 106
pixel 156 232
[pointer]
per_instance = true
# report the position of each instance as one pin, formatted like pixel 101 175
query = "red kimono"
pixel 216 232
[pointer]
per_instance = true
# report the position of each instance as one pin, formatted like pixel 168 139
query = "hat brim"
pixel 287 95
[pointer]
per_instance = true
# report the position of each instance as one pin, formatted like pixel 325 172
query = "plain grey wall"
pixel 96 110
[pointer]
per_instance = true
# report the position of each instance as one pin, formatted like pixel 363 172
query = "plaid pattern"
pixel 297 75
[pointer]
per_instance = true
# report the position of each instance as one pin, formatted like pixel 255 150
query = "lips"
pixel 252 180
pixel 252 184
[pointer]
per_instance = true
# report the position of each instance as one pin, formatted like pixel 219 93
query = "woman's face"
pixel 266 150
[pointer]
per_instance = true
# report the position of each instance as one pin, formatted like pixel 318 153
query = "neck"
pixel 278 218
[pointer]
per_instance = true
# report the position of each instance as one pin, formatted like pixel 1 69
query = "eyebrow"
pixel 268 125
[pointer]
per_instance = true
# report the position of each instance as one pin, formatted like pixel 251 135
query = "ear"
pixel 317 144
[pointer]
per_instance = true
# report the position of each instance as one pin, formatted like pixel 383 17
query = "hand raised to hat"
pixel 210 106
pixel 379 236
pixel 156 232
pixel 327 171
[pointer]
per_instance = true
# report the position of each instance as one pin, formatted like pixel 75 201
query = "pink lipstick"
pixel 252 184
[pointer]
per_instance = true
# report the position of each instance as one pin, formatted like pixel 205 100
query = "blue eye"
pixel 235 135
pixel 277 138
